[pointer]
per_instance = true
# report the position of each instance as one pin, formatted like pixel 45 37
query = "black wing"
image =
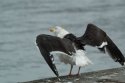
pixel 94 36
pixel 48 43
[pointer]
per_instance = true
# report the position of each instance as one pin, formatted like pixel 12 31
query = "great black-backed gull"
pixel 70 48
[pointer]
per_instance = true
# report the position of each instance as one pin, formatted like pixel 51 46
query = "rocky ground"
pixel 115 75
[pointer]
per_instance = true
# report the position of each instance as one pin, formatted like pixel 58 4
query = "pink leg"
pixel 78 71
pixel 70 73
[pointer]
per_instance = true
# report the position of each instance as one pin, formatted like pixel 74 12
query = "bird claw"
pixel 59 79
pixel 78 74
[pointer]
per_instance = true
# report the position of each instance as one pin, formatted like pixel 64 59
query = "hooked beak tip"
pixel 52 29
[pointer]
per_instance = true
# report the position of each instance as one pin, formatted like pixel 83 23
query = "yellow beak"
pixel 52 29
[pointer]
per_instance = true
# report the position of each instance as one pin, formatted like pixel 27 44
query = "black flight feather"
pixel 114 51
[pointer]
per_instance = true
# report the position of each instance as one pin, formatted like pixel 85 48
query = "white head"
pixel 59 31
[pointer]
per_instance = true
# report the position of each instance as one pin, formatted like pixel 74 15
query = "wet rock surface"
pixel 115 75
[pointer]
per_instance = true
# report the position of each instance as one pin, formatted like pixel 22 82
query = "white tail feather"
pixel 81 59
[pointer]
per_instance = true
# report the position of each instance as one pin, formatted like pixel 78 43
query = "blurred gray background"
pixel 22 20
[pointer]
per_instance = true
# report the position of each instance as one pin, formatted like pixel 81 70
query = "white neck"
pixel 61 32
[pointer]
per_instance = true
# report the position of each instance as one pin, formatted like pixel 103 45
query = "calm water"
pixel 22 20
